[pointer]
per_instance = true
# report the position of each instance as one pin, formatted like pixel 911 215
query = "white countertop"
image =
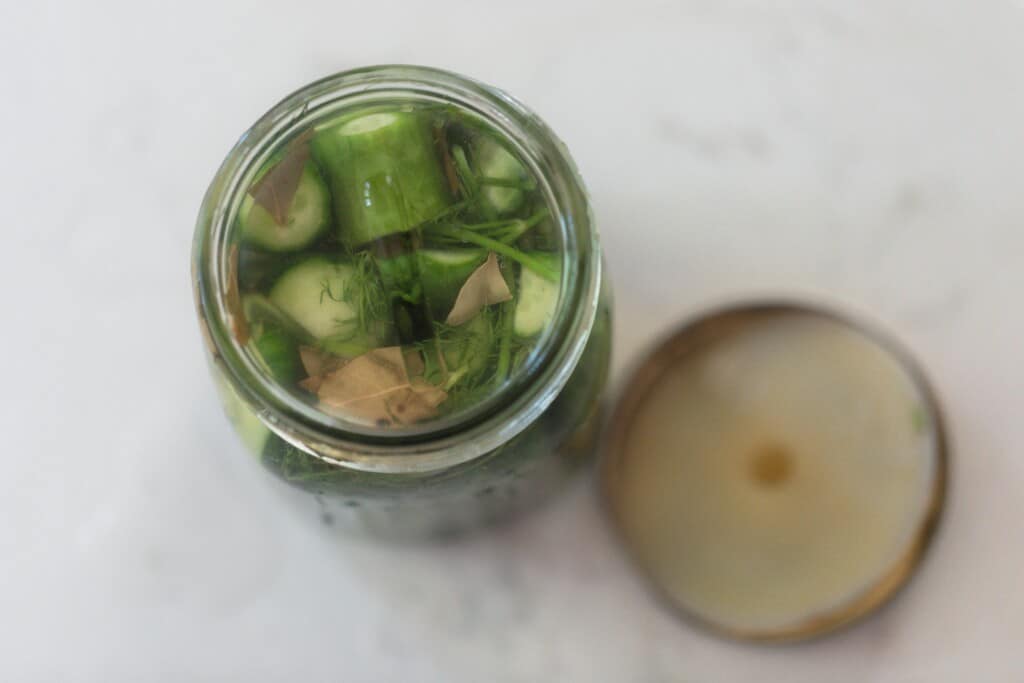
pixel 869 155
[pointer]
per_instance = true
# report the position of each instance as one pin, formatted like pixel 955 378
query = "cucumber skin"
pixel 280 354
pixel 401 279
pixel 258 268
pixel 382 181
pixel 250 429
pixel 262 312
pixel 260 229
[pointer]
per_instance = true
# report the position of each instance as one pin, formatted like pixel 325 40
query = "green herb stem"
pixel 528 223
pixel 507 182
pixel 497 247
pixel 462 165
pixel 504 345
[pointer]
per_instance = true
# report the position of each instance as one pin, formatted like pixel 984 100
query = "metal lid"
pixel 776 471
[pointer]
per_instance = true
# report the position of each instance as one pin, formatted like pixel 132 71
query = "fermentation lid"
pixel 776 471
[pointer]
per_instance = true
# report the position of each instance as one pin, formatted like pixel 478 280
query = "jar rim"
pixel 507 411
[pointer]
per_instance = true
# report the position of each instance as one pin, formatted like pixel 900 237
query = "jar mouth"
pixel 468 432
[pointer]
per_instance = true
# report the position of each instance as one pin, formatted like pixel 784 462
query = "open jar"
pixel 400 286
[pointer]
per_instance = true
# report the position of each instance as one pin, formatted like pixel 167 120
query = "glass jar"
pixel 447 476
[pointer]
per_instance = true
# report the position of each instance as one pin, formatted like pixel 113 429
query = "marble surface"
pixel 867 155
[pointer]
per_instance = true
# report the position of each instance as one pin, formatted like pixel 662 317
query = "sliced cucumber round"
pixel 496 162
pixel 538 298
pixel 312 294
pixel 308 216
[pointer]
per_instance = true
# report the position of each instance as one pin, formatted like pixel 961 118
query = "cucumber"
pixel 262 312
pixel 538 297
pixel 308 215
pixel 253 432
pixel 400 277
pixel 279 354
pixel 384 174
pixel 443 272
pixel 495 162
pixel 258 268
pixel 312 294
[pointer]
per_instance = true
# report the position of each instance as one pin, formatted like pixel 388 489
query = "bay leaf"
pixel 485 286
pixel 317 363
pixel 276 189
pixel 376 387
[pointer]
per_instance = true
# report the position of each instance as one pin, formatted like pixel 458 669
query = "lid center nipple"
pixel 771 465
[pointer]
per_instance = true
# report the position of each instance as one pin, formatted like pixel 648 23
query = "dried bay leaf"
pixel 485 286
pixel 312 383
pixel 276 189
pixel 317 363
pixel 376 387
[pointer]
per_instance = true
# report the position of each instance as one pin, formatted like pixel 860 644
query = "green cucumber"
pixel 261 311
pixel 248 426
pixel 279 353
pixel 443 272
pixel 258 268
pixel 312 294
pixel 384 174
pixel 398 268
pixel 308 215
pixel 494 162
pixel 538 297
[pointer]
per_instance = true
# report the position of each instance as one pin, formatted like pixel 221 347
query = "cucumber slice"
pixel 308 216
pixel 443 272
pixel 538 297
pixel 311 293
pixel 384 174
pixel 496 162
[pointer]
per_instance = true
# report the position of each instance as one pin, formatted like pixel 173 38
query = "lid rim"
pixel 879 592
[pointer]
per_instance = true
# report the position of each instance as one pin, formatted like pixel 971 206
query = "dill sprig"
pixel 364 292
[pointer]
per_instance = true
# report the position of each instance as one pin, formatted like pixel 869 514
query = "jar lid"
pixel 776 470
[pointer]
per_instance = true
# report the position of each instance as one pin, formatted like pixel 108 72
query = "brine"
pixel 395 264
